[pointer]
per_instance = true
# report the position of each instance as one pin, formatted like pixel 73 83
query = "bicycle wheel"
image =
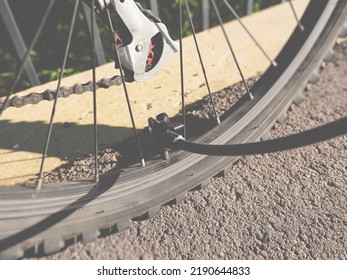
pixel 44 222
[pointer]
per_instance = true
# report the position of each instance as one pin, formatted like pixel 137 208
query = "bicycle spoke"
pixel 39 181
pixel 125 90
pixel 201 62
pixel 296 16
pixel 249 33
pixel 231 49
pixel 96 176
pixel 182 70
pixel 24 60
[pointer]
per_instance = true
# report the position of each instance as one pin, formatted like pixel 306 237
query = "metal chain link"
pixel 49 95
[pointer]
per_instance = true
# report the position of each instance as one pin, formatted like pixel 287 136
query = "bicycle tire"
pixel 45 222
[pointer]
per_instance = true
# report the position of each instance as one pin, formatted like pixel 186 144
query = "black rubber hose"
pixel 325 132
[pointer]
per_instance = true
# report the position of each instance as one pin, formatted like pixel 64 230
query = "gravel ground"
pixel 289 205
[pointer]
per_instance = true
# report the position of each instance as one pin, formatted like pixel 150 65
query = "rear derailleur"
pixel 142 41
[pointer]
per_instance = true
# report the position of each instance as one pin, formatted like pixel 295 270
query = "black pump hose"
pixel 325 132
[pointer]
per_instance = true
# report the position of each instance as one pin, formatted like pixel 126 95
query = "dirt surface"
pixel 290 205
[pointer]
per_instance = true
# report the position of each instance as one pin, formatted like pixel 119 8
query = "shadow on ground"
pixel 68 141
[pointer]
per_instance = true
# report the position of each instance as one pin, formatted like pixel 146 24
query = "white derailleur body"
pixel 150 44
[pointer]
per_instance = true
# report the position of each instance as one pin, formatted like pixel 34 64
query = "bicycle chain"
pixel 64 92
pixel 50 95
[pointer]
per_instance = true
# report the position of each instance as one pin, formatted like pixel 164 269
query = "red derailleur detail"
pixel 150 56
pixel 118 40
